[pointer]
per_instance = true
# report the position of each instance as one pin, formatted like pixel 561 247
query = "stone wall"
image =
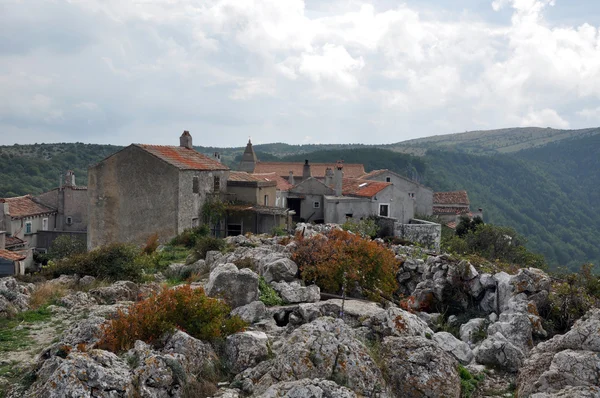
pixel 426 233
pixel 45 238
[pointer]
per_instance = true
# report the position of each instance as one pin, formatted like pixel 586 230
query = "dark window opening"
pixel 217 184
pixel 196 185
pixel 234 229
pixel 388 179
pixel 384 210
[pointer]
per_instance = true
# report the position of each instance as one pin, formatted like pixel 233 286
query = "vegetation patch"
pixel 14 332
pixel 267 294
pixel 468 382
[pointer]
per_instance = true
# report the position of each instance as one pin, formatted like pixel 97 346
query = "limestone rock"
pixel 469 329
pixel 397 322
pixel 308 388
pixel 458 349
pixel 417 367
pixel 282 269
pixel 296 293
pixel 86 331
pixel 195 355
pixel 14 297
pixel 530 280
pixel 246 349
pixel 251 313
pixel 236 287
pixel 119 291
pixel 355 311
pixel 496 350
pixel 77 299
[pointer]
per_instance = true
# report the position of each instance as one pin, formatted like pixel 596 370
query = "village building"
pixel 449 207
pixel 12 262
pixel 153 189
pixel 22 217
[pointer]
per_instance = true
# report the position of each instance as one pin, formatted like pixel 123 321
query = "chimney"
pixel 337 178
pixel 328 176
pixel 186 140
pixel 69 179
pixel 217 157
pixel 306 170
pixel 291 178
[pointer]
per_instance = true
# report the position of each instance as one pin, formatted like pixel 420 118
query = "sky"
pixel 295 71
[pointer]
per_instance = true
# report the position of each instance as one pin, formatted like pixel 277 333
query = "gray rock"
pixel 417 367
pixel 77 299
pixel 497 351
pixel 504 290
pixel 119 291
pixel 236 287
pixel 488 302
pixel 530 280
pixel 86 280
pixel 14 297
pixel 282 269
pixel 355 313
pixel 251 313
pixel 516 328
pixel 469 329
pixel 487 281
pixel 397 322
pixel 458 349
pixel 87 331
pixel 153 374
pixel 296 293
pixel 246 349
pixel 571 392
pixel 308 388
pixel 197 357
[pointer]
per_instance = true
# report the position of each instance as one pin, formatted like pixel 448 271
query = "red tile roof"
pixel 440 210
pixel 24 206
pixel 12 241
pixel 451 198
pixel 362 188
pixel 317 169
pixel 282 183
pixel 183 158
pixel 374 173
pixel 243 176
pixel 13 256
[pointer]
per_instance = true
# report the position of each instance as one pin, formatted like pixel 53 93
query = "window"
pixel 316 205
pixel 234 229
pixel 388 179
pixel 195 185
pixel 44 224
pixel 411 195
pixel 384 210
pixel 28 227
pixel 195 222
pixel 349 215
pixel 217 184
pixel 266 200
pixel 69 220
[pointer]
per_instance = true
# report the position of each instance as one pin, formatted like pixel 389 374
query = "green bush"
pixel 66 246
pixel 206 244
pixel 367 228
pixel 468 382
pixel 112 262
pixel 278 231
pixel 189 237
pixel 267 294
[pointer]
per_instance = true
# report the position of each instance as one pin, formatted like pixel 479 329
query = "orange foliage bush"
pixel 342 257
pixel 184 308
pixel 151 244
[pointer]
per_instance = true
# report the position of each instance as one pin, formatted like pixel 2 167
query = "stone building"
pixel 147 189
pixel 22 218
pixel 450 206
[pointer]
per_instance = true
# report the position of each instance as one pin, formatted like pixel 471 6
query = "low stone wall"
pixel 426 233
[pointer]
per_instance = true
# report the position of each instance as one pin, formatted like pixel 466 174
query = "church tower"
pixel 249 159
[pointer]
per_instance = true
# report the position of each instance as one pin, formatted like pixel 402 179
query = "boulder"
pixel 14 297
pixel 354 314
pixel 87 331
pixel 196 356
pixel 77 299
pixel 86 280
pixel 236 287
pixel 469 329
pixel 154 374
pixel 458 349
pixel 417 367
pixel 251 313
pixel 118 291
pixel 530 281
pixel 246 349
pixel 397 322
pixel 282 269
pixel 504 290
pixel 516 328
pixel 324 349
pixel 308 388
pixel 296 293
pixel 497 351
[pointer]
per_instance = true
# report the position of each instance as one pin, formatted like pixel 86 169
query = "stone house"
pixel 421 195
pixel 147 189
pixel 12 263
pixel 450 206
pixel 22 218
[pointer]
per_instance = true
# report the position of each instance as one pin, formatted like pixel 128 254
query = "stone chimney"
pixel 328 176
pixel 186 140
pixel 69 179
pixel 291 178
pixel 217 157
pixel 337 177
pixel 306 170
pixel 2 240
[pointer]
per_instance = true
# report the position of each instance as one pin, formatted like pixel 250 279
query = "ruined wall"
pixel 253 194
pixel 132 195
pixel 425 233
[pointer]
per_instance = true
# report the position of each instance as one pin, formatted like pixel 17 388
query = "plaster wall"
pixel 423 201
pixel 254 195
pixel 336 208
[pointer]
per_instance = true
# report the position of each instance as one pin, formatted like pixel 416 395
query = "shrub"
pixel 46 293
pixel 151 244
pixel 206 244
pixel 66 246
pixel 112 262
pixel 189 237
pixel 342 259
pixel 367 228
pixel 468 382
pixel 267 294
pixel 278 231
pixel 182 308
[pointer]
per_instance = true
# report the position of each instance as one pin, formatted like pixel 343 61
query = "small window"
pixel 411 195
pixel 384 210
pixel 217 184
pixel 388 179
pixel 28 227
pixel 195 222
pixel 195 185
pixel 316 205
pixel 44 224
pixel 234 229
pixel 349 215
pixel 69 220
pixel 266 203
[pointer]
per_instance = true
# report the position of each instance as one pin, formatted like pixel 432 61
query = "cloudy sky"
pixel 297 71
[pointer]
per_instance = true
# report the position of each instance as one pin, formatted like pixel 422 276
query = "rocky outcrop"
pixel 497 351
pixel 282 269
pixel 14 297
pixel 251 313
pixel 458 349
pixel 296 293
pixel 118 291
pixel 237 287
pixel 245 350
pixel 308 388
pixel 417 367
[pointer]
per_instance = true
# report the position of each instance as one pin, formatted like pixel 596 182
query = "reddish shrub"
pixel 183 308
pixel 344 258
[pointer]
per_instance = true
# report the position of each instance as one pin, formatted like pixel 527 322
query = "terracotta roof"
pixel 439 210
pixel 183 158
pixel 23 206
pixel 451 225
pixel 282 183
pixel 12 241
pixel 451 198
pixel 243 176
pixel 374 173
pixel 317 169
pixel 362 188
pixel 13 256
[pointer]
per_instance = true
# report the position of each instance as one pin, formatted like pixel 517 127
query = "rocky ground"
pixel 309 347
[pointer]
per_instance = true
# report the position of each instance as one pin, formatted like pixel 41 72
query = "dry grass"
pixel 47 293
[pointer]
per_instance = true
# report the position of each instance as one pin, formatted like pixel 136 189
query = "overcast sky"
pixel 312 71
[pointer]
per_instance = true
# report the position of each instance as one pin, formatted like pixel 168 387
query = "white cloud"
pixel 544 118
